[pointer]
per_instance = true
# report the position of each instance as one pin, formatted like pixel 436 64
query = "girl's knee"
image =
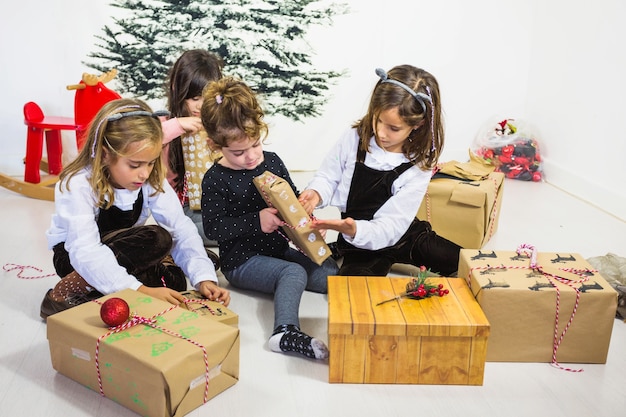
pixel 293 274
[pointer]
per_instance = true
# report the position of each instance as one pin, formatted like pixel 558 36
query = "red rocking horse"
pixel 91 95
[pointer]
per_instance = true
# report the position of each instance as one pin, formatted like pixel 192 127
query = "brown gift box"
pixel 465 212
pixel 209 309
pixel 278 193
pixel 437 340
pixel 155 370
pixel 521 306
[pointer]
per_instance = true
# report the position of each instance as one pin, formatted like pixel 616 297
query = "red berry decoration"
pixel 114 311
pixel 419 288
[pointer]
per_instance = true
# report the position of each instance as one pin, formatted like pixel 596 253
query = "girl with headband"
pixel 377 175
pixel 103 199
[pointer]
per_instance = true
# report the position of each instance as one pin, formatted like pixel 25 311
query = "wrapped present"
pixel 165 361
pixel 542 307
pixel 194 301
pixel 377 337
pixel 465 212
pixel 198 158
pixel 278 193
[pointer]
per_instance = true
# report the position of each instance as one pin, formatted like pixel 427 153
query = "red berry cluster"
pixel 419 288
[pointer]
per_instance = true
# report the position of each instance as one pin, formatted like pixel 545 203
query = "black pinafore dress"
pixel 369 190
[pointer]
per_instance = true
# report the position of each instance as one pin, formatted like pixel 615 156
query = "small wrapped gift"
pixel 164 361
pixel 278 193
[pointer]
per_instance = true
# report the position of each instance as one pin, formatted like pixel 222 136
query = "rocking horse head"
pixel 91 95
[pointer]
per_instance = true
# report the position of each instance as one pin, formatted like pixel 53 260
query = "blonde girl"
pixel 98 233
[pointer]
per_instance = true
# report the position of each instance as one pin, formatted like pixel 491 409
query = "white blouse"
pixel 333 179
pixel 74 223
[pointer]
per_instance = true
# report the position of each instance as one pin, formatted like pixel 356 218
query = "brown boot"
pixel 50 307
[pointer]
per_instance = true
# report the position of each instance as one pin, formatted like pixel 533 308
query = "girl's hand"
pixel 309 200
pixel 269 220
pixel 190 124
pixel 213 292
pixel 163 293
pixel 346 226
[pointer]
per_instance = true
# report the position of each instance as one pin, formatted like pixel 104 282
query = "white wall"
pixel 557 64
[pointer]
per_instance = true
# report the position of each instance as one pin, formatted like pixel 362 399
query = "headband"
pixel 117 115
pixel 420 97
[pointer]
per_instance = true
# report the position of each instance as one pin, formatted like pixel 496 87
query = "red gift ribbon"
pixel 151 322
pixel 22 268
pixel 531 252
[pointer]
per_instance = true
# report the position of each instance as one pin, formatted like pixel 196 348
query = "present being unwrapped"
pixel 214 310
pixel 156 367
pixel 520 303
pixel 463 211
pixel 278 193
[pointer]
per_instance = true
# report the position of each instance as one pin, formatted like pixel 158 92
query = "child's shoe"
pixel 49 306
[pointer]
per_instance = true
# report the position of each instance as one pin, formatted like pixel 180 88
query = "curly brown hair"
pixel 230 111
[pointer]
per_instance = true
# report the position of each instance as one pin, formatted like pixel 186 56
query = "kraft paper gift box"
pixel 278 193
pixel 436 340
pixel 521 306
pixel 209 309
pixel 465 212
pixel 155 369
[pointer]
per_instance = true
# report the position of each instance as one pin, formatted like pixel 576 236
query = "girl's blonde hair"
pixel 231 111
pixel 117 125
pixel 425 143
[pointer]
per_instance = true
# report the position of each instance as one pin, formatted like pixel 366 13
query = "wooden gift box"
pixel 437 340
pixel 521 306
pixel 465 212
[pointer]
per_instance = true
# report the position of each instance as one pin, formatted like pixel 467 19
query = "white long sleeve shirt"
pixel 333 179
pixel 74 223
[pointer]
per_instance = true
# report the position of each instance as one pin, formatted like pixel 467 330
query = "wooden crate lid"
pixel 352 309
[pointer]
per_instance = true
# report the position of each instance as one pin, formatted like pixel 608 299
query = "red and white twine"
pixel 530 251
pixel 21 268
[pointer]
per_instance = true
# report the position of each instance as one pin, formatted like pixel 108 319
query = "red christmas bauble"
pixel 114 311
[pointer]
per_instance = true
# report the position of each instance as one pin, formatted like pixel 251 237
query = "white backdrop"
pixel 558 64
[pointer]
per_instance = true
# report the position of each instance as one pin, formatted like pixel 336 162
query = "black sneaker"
pixel 214 257
pixel 50 307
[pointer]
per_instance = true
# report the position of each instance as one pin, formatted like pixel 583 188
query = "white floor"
pixel 273 384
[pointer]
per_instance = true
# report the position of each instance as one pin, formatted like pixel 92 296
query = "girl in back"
pixel 187 153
